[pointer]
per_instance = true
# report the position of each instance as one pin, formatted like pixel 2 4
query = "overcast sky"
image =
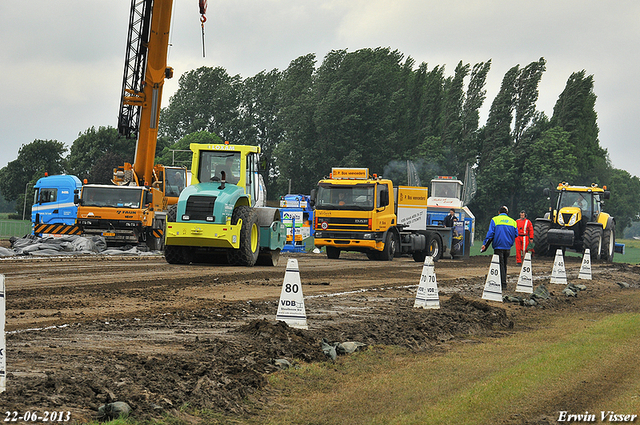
pixel 62 60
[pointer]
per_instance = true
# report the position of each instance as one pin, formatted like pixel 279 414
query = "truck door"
pixel 385 214
pixel 45 208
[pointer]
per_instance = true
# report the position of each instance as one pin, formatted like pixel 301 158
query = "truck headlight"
pixel 573 220
pixel 369 236
pixel 185 217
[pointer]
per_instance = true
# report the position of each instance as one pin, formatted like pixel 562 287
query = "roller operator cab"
pixel 576 221
pixel 216 216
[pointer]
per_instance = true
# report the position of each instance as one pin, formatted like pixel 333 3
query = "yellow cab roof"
pixel 564 186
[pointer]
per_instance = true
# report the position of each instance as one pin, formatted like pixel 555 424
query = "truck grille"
pixel 338 223
pixel 566 217
pixel 200 207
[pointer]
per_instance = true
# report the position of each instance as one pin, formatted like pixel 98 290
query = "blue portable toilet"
pixel 296 212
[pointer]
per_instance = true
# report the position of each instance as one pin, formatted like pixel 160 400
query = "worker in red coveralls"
pixel 525 235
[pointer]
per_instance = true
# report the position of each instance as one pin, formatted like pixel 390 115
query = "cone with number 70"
pixel 427 295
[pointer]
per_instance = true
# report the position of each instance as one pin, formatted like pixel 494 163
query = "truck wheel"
pixel 435 247
pixel 592 239
pixel 247 254
pixel 390 247
pixel 419 256
pixel 609 242
pixel 541 237
pixel 333 252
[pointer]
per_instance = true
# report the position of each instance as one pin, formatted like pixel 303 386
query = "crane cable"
pixel 203 19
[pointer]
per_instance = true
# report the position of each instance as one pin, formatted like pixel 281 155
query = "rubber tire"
pixel 333 253
pixel 609 242
pixel 435 246
pixel 419 256
pixel 173 254
pixel 592 239
pixel 178 254
pixel 247 253
pixel 390 247
pixel 541 238
pixel 268 258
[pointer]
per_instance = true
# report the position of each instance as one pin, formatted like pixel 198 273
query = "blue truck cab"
pixel 53 207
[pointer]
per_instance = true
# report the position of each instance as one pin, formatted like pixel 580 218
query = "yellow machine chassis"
pixel 204 234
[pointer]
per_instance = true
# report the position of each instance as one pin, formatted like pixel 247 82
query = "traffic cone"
pixel 427 295
pixel 559 275
pixel 585 268
pixel 525 280
pixel 291 306
pixel 493 284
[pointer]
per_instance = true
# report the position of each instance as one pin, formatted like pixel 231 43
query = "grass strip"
pixel 574 363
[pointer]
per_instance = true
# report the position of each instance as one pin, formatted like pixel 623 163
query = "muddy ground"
pixel 85 331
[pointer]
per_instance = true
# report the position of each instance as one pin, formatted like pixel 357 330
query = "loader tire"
pixel 592 239
pixel 541 238
pixel 247 254
pixel 609 242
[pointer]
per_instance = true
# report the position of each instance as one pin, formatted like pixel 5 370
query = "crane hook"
pixel 203 19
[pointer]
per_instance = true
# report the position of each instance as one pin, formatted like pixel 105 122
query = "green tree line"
pixel 371 108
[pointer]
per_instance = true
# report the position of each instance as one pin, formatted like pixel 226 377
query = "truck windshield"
pixel 114 197
pixel 176 178
pixel 446 189
pixel 213 163
pixel 574 199
pixel 357 197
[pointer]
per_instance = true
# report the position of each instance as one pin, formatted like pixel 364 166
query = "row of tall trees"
pixel 373 108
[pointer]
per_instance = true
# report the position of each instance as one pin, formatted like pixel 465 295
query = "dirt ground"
pixel 85 331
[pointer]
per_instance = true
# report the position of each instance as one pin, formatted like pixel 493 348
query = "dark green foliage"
pixel 95 148
pixel 208 99
pixel 34 159
pixel 575 113
pixel 179 153
pixel 625 202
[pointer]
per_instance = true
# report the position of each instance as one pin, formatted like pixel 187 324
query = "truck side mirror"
pixel 76 197
pixel 148 198
pixel 606 194
pixel 546 192
pixel 312 198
